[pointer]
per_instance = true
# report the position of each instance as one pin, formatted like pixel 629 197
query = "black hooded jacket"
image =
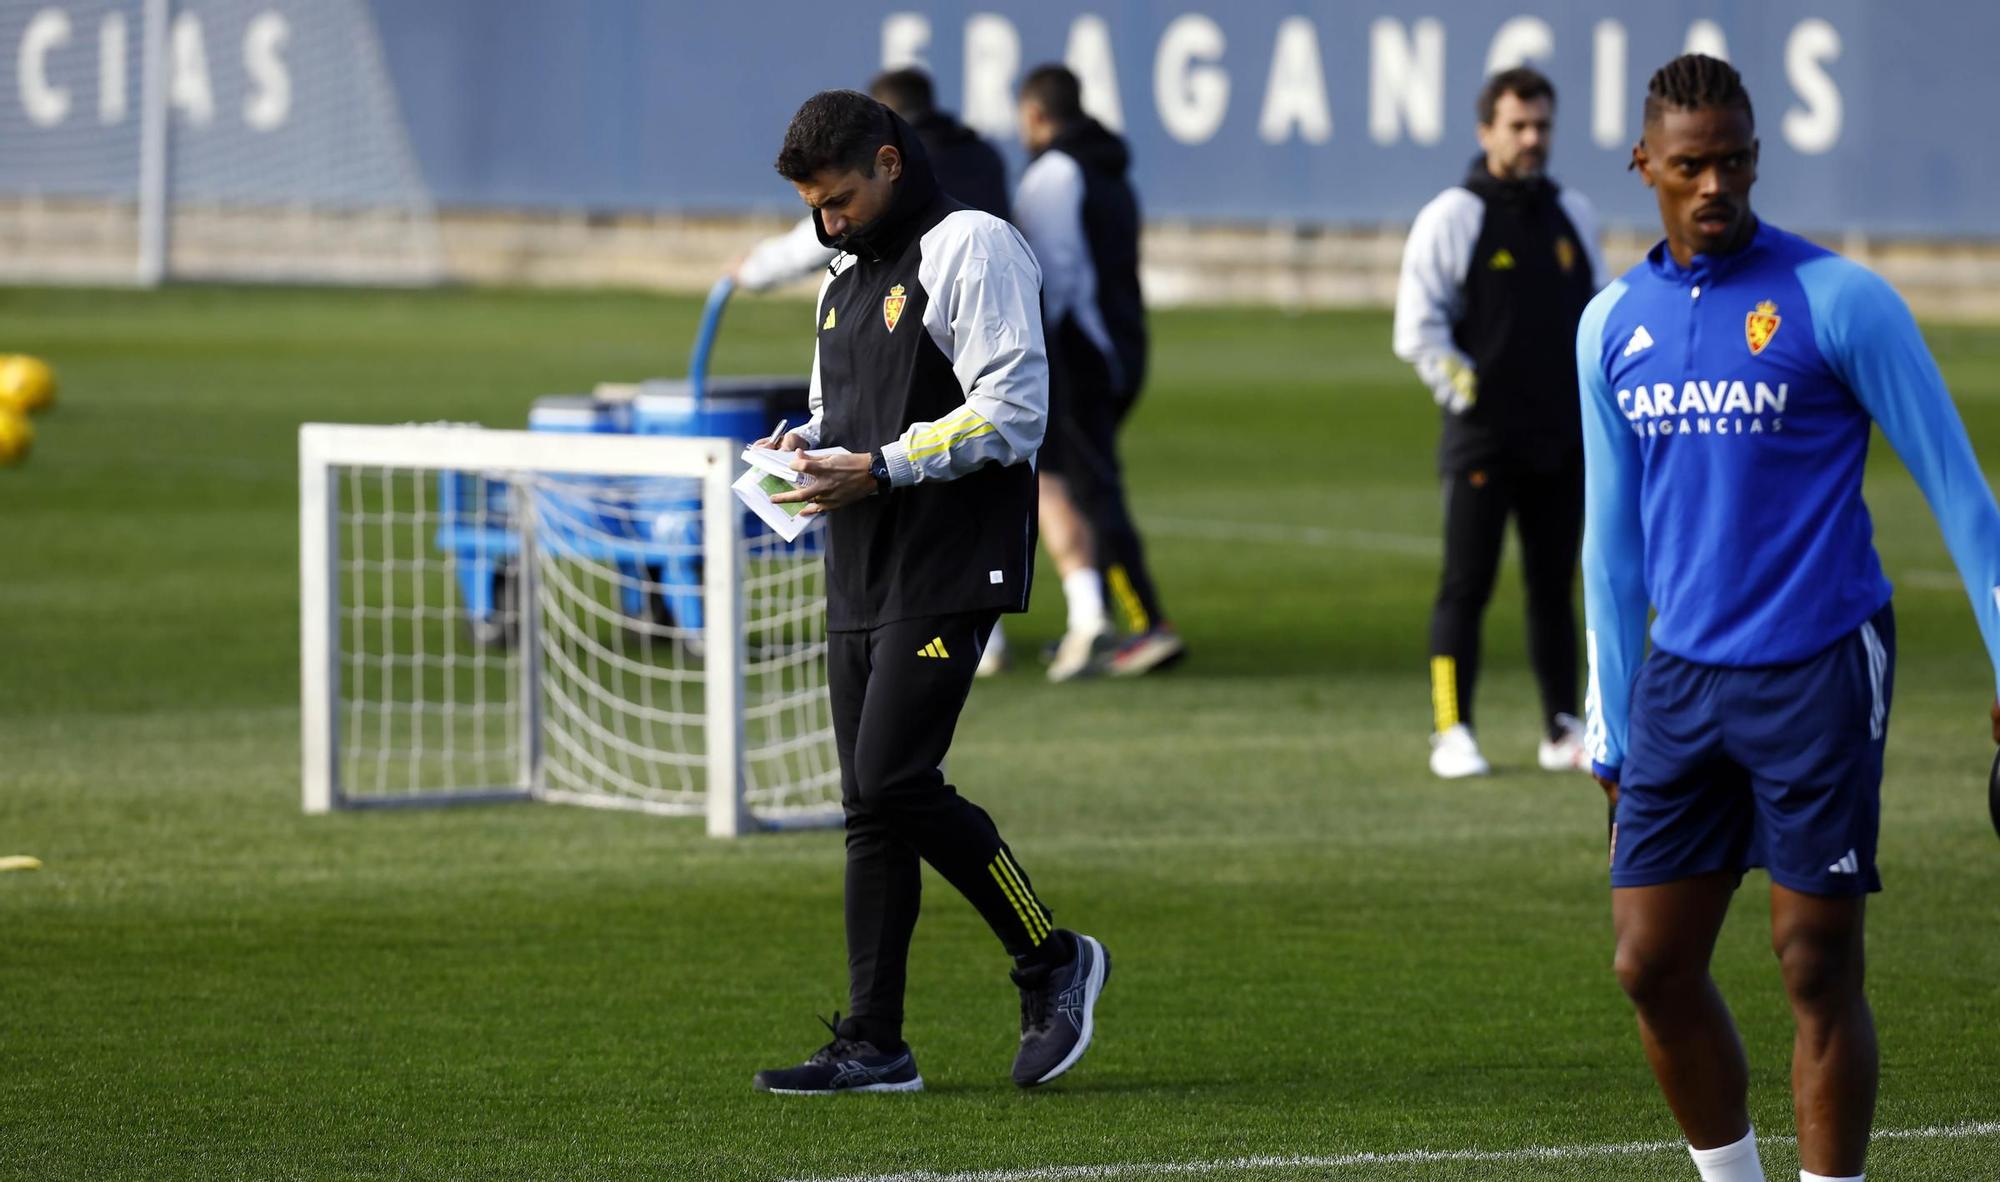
pixel 1078 208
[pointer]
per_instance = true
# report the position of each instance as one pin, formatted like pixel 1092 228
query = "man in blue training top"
pixel 1728 383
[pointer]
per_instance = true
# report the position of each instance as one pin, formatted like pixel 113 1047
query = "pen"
pixel 778 432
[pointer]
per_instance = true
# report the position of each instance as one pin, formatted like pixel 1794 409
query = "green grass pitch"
pixel 1321 952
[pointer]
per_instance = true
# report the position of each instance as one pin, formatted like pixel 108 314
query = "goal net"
pixel 582 619
pixel 206 139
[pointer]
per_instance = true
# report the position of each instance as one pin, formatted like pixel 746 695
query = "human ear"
pixel 1639 163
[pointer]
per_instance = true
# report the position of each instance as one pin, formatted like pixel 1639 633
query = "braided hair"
pixel 1694 82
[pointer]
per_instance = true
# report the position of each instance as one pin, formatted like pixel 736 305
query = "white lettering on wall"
pixel 1295 95
pixel 188 85
pixel 1814 127
pixel 111 69
pixel 1521 40
pixel 45 103
pixel 992 59
pixel 906 36
pixel 270 100
pixel 1706 37
pixel 1406 81
pixel 1607 88
pixel 1191 91
pixel 1088 55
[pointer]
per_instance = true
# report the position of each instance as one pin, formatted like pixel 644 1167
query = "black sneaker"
pixel 844 1065
pixel 1056 1012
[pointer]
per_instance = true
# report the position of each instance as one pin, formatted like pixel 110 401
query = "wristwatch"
pixel 879 469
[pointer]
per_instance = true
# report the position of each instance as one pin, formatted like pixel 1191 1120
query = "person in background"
pixel 1078 209
pixel 1496 272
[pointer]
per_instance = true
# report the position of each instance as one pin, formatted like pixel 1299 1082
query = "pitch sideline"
pixel 1095 1173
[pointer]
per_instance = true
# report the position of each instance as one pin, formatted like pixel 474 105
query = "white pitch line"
pixel 1416 545
pixel 1961 1131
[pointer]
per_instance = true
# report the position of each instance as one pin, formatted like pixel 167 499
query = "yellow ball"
pixel 17 435
pixel 27 384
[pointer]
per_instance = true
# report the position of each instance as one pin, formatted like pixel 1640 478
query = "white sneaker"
pixel 1082 651
pixel 1565 754
pixel 1455 755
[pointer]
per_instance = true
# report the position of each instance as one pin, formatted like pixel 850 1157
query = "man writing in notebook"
pixel 930 369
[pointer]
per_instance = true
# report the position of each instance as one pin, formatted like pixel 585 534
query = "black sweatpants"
pixel 1085 415
pixel 1548 513
pixel 897 691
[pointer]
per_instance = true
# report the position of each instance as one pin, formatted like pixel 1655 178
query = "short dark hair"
pixel 838 129
pixel 1523 82
pixel 906 91
pixel 1054 89
pixel 1695 82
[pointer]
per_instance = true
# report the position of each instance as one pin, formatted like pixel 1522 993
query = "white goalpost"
pixel 574 618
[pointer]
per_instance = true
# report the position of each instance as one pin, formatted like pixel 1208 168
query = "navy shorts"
pixel 1776 766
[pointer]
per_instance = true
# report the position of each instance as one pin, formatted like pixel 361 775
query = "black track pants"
pixel 1548 513
pixel 897 691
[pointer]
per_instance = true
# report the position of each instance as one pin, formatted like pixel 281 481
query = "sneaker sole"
pixel 1095 665
pixel 910 1085
pixel 1100 972
pixel 1149 662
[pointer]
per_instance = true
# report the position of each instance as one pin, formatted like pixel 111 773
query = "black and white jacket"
pixel 930 351
pixel 1081 216
pixel 1495 277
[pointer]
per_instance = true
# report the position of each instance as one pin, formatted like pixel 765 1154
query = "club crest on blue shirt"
pixel 1760 326
pixel 892 306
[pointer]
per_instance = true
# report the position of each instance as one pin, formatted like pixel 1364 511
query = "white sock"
pixel 1084 591
pixel 1735 1162
pixel 1809 1176
pixel 996 642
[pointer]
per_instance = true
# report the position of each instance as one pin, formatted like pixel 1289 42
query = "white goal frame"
pixel 325 450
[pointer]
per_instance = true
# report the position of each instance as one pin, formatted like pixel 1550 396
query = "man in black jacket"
pixel 966 166
pixel 1496 272
pixel 930 369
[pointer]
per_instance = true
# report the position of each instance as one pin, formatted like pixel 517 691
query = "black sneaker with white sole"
pixel 844 1065
pixel 1058 1011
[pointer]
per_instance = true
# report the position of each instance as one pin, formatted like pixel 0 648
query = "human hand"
pixel 793 441
pixel 833 482
pixel 1610 804
pixel 1459 391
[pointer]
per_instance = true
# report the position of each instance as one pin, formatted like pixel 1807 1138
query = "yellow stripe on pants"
pixel 1127 598
pixel 1444 692
pixel 1020 881
pixel 1020 909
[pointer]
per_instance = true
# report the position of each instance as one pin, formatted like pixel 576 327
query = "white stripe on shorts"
pixel 1878 667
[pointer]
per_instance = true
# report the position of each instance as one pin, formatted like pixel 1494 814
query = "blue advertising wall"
pixel 1873 115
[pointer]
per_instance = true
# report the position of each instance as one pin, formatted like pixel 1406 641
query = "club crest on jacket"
pixel 1760 326
pixel 892 306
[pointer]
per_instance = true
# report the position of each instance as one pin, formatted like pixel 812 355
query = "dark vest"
pixel 931 548
pixel 1524 293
